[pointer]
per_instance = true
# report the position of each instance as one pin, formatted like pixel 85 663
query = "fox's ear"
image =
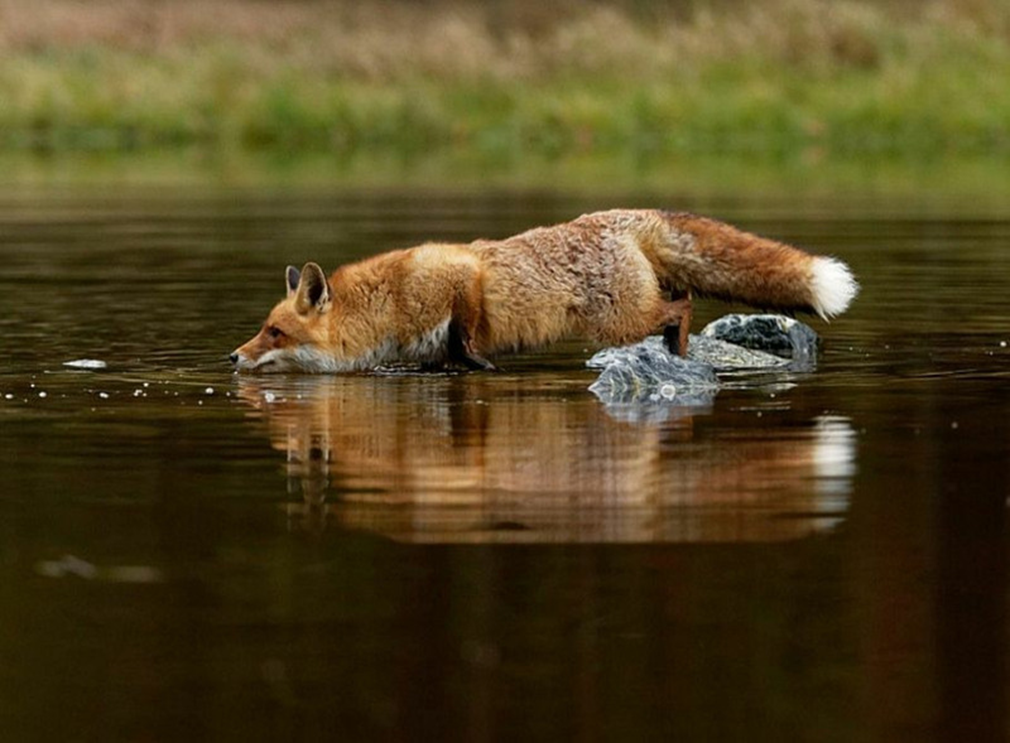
pixel 313 291
pixel 291 276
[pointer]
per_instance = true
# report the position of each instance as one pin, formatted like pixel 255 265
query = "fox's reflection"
pixel 478 458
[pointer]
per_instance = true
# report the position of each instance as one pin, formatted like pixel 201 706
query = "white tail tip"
pixel 834 287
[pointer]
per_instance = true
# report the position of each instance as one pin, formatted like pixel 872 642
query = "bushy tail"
pixel 717 260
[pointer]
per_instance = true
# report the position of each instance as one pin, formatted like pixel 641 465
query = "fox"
pixel 611 277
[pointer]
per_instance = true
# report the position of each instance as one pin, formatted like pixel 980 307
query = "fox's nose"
pixel 233 358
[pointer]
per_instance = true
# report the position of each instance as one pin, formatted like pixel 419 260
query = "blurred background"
pixel 893 89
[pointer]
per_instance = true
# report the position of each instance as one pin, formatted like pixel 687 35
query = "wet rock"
pixel 90 364
pixel 648 372
pixel 649 378
pixel 777 334
pixel 726 356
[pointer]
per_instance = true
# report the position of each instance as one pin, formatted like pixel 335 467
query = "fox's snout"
pixel 246 359
pixel 238 360
pixel 245 356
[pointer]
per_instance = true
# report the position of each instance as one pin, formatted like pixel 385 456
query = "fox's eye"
pixel 275 332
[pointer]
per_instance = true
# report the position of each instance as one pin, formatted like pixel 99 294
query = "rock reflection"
pixel 479 458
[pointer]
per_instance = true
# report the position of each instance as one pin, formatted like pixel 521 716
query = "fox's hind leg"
pixel 675 318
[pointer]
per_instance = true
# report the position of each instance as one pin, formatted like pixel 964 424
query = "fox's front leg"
pixel 466 315
pixel 675 317
pixel 462 349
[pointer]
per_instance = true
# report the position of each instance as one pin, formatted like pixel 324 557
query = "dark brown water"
pixel 188 555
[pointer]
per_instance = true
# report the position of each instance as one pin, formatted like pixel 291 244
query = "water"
pixel 186 554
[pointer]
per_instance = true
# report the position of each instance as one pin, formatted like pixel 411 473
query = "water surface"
pixel 189 554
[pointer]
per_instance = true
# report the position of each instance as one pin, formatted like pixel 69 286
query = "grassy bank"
pixel 847 77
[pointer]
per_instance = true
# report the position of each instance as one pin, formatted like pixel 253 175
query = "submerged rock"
pixel 647 374
pixel 783 336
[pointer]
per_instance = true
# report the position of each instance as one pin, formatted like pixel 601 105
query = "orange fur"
pixel 611 277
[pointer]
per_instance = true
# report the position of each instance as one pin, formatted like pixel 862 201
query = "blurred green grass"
pixel 862 79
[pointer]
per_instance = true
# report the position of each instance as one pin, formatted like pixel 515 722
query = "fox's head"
pixel 296 332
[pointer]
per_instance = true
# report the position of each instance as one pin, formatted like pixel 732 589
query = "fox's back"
pixel 583 278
